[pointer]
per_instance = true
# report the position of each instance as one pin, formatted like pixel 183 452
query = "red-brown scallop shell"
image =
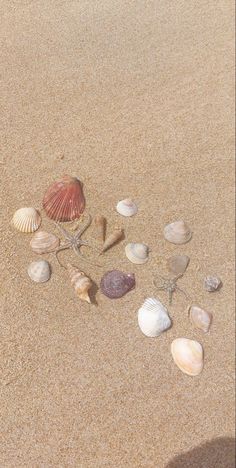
pixel 64 200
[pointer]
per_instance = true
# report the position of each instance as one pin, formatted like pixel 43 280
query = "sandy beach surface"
pixel 135 99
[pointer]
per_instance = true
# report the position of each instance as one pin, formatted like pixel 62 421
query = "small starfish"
pixel 73 241
pixel 169 285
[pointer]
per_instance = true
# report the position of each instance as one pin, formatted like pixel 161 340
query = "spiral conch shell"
pixel 26 220
pixel 187 355
pixel 126 207
pixel 177 232
pixel 153 318
pixel 137 253
pixel 82 284
pixel 44 242
pixel 39 271
pixel 200 318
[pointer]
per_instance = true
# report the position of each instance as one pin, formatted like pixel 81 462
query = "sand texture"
pixel 136 99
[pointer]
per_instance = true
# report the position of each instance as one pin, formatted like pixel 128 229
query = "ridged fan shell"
pixel 64 199
pixel 26 220
pixel 44 242
pixel 153 318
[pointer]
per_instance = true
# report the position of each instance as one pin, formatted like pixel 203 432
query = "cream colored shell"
pixel 187 355
pixel 200 318
pixel 177 232
pixel 126 207
pixel 153 318
pixel 137 253
pixel 44 242
pixel 26 220
pixel 39 271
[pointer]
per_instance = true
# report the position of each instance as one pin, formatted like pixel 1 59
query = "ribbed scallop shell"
pixel 26 220
pixel 200 318
pixel 153 318
pixel 39 271
pixel 115 283
pixel 64 199
pixel 187 355
pixel 177 232
pixel 126 207
pixel 44 242
pixel 137 253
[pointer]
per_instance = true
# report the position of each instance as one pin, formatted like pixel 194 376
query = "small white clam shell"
pixel 153 318
pixel 200 318
pixel 39 271
pixel 26 219
pixel 126 207
pixel 212 283
pixel 177 232
pixel 44 242
pixel 137 253
pixel 187 355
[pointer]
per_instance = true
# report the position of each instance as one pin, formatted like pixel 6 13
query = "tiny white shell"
pixel 26 219
pixel 126 207
pixel 39 271
pixel 137 253
pixel 153 318
pixel 177 232
pixel 44 242
pixel 187 355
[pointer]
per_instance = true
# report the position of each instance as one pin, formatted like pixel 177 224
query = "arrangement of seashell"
pixel 44 242
pixel 177 232
pixel 115 283
pixel 188 355
pixel 64 199
pixel 153 318
pixel 81 283
pixel 137 253
pixel 126 207
pixel 26 220
pixel 39 271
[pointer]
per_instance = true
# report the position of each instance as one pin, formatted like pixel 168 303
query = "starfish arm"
pixel 81 231
pixel 170 296
pixel 63 231
pixel 158 286
pixel 82 242
pixel 63 247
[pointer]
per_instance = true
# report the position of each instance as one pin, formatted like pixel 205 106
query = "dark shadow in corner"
pixel 218 453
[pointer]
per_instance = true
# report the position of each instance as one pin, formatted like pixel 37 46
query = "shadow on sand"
pixel 219 453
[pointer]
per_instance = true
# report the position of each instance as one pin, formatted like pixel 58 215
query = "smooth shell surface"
pixel 137 253
pixel 126 207
pixel 177 232
pixel 153 318
pixel 64 199
pixel 178 264
pixel 44 242
pixel 26 220
pixel 200 318
pixel 115 283
pixel 39 271
pixel 187 355
pixel 212 283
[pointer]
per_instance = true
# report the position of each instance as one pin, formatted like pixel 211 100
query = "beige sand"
pixel 135 98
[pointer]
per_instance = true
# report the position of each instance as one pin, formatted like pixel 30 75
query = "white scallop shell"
pixel 177 232
pixel 137 253
pixel 187 355
pixel 153 318
pixel 44 242
pixel 200 318
pixel 39 271
pixel 26 219
pixel 126 207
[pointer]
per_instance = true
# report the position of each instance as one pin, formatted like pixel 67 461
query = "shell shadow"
pixel 93 292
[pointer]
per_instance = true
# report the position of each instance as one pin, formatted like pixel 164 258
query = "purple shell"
pixel 116 284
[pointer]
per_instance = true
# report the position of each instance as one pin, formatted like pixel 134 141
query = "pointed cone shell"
pixel 112 239
pixel 100 223
pixel 26 220
pixel 64 200
pixel 178 264
pixel 126 207
pixel 137 253
pixel 153 318
pixel 115 283
pixel 187 355
pixel 82 284
pixel 200 318
pixel 44 242
pixel 39 271
pixel 177 232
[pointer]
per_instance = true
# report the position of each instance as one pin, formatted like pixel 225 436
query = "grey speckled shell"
pixel 115 283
